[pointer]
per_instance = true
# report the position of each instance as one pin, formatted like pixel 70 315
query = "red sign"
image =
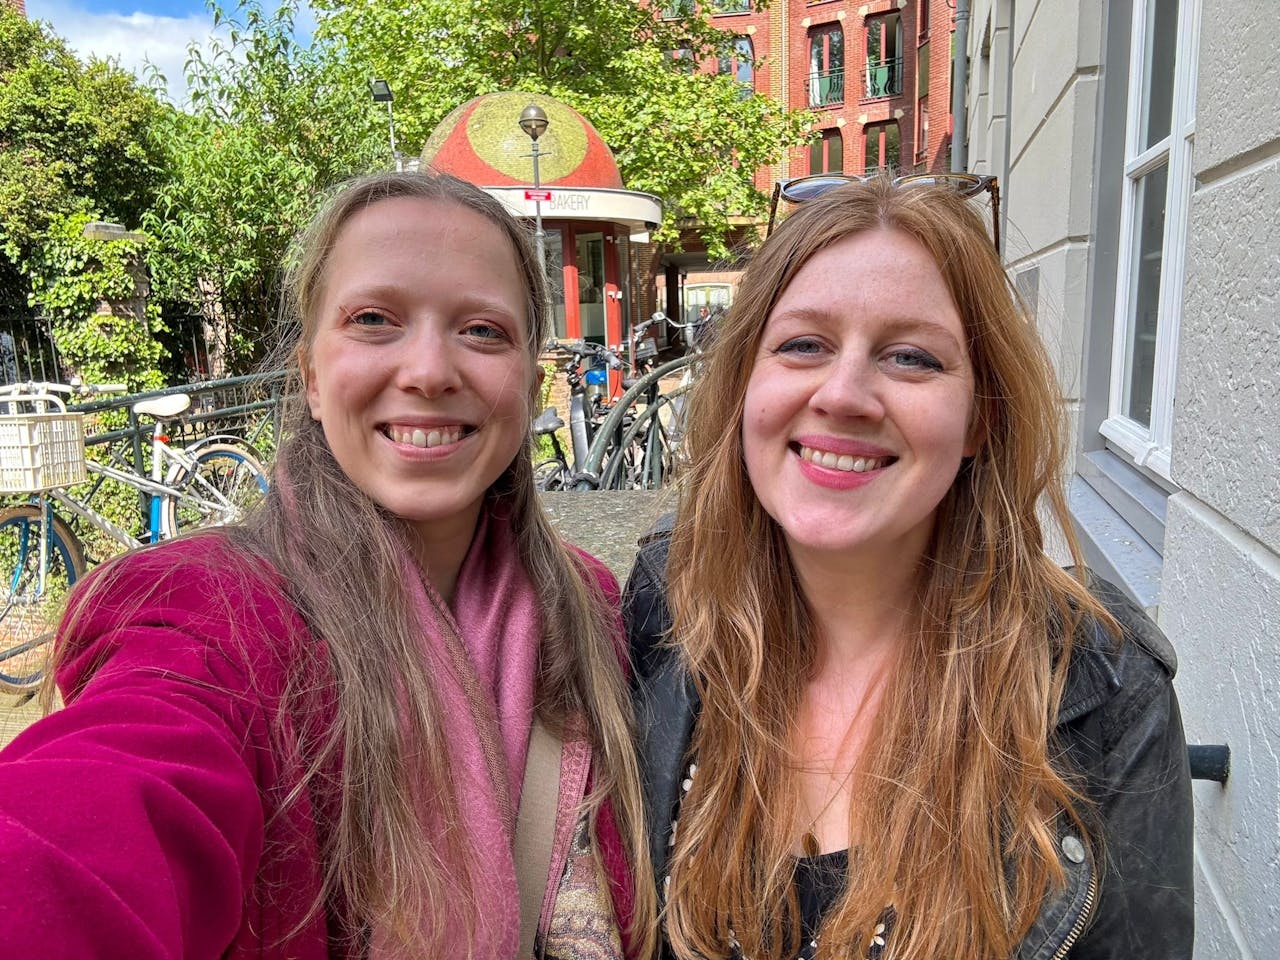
pixel 543 195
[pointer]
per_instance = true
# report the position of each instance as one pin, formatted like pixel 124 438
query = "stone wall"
pixel 1220 595
pixel 1044 82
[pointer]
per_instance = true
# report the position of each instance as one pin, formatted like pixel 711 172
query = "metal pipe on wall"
pixel 959 90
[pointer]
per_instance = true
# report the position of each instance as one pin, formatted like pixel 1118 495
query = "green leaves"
pixel 94 294
pixel 73 136
pixel 271 123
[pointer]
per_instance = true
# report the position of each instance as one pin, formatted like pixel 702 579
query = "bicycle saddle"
pixel 163 407
pixel 548 421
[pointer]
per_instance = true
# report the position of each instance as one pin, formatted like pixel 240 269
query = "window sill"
pixel 1119 517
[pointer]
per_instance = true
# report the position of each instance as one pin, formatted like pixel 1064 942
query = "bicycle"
pixel 42 454
pixel 587 408
pixel 648 422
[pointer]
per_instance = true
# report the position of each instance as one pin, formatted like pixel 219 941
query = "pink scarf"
pixel 496 616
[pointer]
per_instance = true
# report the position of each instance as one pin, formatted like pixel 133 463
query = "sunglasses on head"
pixel 802 189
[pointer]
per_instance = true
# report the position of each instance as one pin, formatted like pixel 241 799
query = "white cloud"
pixel 134 39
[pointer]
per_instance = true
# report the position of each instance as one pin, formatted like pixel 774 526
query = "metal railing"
pixel 884 78
pixel 826 87
pixel 247 408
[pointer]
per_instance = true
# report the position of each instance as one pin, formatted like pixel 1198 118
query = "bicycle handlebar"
pixel 585 348
pixel 73 389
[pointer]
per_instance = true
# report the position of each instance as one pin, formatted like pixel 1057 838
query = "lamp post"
pixel 381 91
pixel 533 121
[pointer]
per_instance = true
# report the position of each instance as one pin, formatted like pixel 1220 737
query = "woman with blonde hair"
pixel 386 716
pixel 876 718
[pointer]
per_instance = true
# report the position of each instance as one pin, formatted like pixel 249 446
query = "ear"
pixel 308 374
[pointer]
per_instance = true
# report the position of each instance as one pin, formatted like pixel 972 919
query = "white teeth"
pixel 843 462
pixel 424 439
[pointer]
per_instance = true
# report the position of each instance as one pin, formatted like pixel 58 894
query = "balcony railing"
pixel 884 78
pixel 826 87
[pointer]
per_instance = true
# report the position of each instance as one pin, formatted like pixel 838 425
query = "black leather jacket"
pixel 1118 721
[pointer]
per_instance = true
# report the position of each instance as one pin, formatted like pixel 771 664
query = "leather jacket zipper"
pixel 1081 922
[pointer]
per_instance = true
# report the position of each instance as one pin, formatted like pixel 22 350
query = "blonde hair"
pixel 956 785
pixel 386 746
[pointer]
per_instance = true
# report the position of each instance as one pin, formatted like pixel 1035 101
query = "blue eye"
pixel 915 360
pixel 801 346
pixel 484 330
pixel 369 318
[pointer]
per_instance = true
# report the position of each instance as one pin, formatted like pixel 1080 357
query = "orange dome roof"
pixel 481 141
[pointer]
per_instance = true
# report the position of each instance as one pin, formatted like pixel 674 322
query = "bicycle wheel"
pixel 223 483
pixel 550 474
pixel 648 452
pixel 29 610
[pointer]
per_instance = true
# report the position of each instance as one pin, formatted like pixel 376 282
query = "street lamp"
pixel 381 91
pixel 533 121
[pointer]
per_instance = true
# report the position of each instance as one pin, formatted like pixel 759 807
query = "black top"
pixel 819 884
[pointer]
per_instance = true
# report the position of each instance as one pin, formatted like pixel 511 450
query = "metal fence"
pixel 247 408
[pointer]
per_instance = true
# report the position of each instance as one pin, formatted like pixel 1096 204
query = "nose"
pixel 429 364
pixel 850 388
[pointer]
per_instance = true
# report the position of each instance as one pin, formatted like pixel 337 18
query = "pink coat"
pixel 144 819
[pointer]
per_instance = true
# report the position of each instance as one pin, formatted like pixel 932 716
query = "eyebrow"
pixel 905 324
pixel 465 302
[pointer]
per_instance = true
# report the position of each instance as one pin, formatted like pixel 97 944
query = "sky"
pixel 133 31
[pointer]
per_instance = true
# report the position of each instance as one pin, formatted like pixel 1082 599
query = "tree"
pixel 692 138
pixel 94 293
pixel 75 138
pixel 270 126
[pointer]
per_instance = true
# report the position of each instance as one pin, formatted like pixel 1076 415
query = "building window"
pixel 884 56
pixel 922 95
pixel 922 128
pixel 826 65
pixel 739 60
pixel 677 9
pixel 730 6
pixel 882 147
pixel 922 23
pixel 1156 192
pixel 826 154
pixel 684 55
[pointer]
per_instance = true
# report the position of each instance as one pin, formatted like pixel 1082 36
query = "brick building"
pixel 876 74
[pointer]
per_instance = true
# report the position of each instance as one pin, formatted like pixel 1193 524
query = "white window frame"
pixel 1150 447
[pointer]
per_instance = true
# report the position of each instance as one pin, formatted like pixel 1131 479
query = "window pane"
pixel 1144 302
pixel 1157 70
pixel 554 245
pixel 884 56
pixel 922 71
pixel 835 151
pixel 826 66
pixel 892 148
pixel 746 57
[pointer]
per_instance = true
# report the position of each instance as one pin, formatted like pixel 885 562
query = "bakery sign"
pixel 639 211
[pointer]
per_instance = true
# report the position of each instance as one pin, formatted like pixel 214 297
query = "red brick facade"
pixel 19 5
pixel 859 67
